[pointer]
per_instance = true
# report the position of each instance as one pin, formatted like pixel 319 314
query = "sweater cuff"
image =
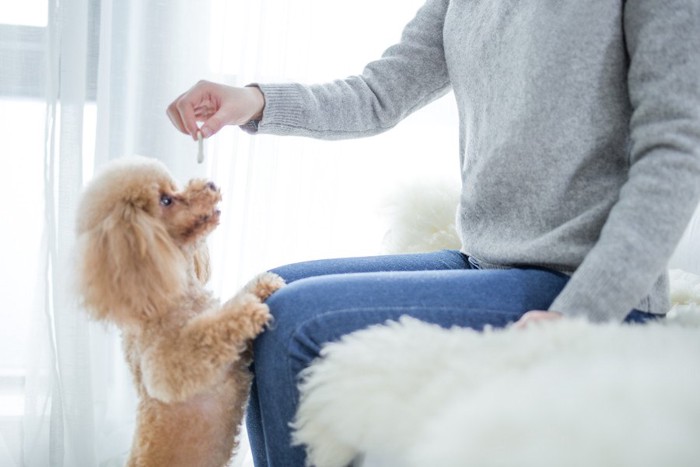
pixel 589 295
pixel 282 113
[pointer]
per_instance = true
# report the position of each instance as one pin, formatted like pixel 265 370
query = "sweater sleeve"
pixel 663 187
pixel 408 76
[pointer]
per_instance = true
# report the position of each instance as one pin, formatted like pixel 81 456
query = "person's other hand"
pixel 537 316
pixel 216 105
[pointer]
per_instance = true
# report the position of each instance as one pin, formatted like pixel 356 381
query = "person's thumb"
pixel 212 125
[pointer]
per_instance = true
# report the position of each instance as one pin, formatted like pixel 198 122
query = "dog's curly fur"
pixel 142 266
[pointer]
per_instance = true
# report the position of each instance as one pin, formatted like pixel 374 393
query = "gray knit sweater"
pixel 579 133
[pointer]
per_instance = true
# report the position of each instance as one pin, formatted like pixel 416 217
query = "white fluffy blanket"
pixel 568 393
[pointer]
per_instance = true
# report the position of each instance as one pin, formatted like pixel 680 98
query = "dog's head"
pixel 141 239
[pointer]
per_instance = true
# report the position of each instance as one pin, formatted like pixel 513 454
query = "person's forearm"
pixel 409 75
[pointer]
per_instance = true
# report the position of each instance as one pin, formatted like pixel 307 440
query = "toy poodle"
pixel 143 264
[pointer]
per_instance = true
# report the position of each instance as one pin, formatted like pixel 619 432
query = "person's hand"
pixel 537 316
pixel 216 105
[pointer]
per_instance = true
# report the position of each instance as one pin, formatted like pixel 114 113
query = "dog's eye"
pixel 166 200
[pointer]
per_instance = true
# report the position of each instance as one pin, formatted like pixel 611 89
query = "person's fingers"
pixel 185 109
pixel 536 316
pixel 189 120
pixel 191 106
pixel 181 114
pixel 214 123
pixel 174 115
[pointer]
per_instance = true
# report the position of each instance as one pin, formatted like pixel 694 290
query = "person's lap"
pixel 327 299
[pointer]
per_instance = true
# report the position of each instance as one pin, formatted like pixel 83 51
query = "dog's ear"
pixel 202 269
pixel 129 268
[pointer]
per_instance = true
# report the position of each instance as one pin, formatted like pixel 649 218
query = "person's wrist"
pixel 259 100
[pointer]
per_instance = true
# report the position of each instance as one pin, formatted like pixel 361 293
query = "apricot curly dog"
pixel 143 264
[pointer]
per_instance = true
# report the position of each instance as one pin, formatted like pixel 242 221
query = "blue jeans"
pixel 324 300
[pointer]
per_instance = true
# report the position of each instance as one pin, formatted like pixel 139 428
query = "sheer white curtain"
pixel 86 81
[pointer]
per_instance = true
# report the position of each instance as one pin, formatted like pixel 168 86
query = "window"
pixel 23 38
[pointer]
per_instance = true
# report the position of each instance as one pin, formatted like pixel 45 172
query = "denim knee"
pixel 276 350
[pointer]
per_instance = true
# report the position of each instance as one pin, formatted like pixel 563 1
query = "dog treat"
pixel 200 151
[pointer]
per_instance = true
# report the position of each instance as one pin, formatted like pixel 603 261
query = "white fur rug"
pixel 421 217
pixel 561 394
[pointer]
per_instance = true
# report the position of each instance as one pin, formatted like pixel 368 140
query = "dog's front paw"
pixel 260 317
pixel 247 314
pixel 264 285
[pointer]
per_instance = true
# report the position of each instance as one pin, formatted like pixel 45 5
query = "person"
pixel 580 165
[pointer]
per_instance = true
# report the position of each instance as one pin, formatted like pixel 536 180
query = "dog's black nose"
pixel 211 186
